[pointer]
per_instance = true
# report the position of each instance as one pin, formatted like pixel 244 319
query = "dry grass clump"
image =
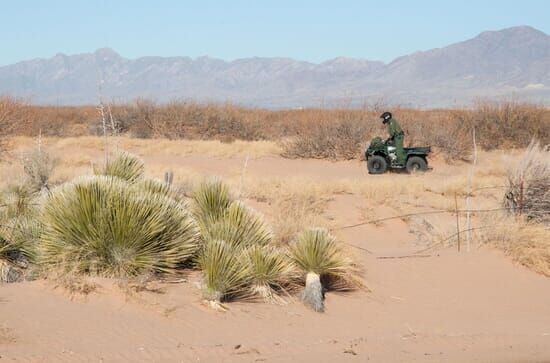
pixel 529 184
pixel 38 166
pixel 324 265
pixel 528 243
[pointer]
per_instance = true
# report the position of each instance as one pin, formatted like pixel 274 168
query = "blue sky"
pixel 306 30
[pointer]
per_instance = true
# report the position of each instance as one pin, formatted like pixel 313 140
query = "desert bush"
pixel 324 265
pixel 123 165
pixel 330 139
pixel 100 225
pixel 12 113
pixel 38 167
pixel 312 133
pixel 510 124
pixel 528 191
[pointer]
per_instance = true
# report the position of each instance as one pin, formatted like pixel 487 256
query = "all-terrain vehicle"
pixel 381 156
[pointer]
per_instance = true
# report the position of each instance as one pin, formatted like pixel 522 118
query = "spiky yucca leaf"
pixel 211 199
pixel 224 274
pixel 271 271
pixel 316 250
pixel 239 226
pixel 101 225
pixel 123 165
pixel 157 187
pixel 19 238
pixel 319 256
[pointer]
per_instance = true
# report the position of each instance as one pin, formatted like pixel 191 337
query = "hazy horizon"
pixel 308 31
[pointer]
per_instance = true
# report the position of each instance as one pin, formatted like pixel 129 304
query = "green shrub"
pixel 100 225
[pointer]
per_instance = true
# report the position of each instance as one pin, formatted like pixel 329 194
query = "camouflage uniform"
pixel 397 137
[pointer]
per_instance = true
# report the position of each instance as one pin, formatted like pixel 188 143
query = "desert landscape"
pixel 420 297
pixel 281 181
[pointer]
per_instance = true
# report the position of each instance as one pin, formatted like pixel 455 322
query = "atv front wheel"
pixel 416 163
pixel 377 165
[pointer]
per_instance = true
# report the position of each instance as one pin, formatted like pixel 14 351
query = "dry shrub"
pixel 12 112
pixel 38 166
pixel 529 184
pixel 509 124
pixel 338 139
pixel 336 133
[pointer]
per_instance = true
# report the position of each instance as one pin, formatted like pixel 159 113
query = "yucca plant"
pixel 156 187
pixel 123 165
pixel 271 272
pixel 211 200
pixel 321 259
pixel 19 228
pixel 239 226
pixel 225 277
pixel 101 225
pixel 18 239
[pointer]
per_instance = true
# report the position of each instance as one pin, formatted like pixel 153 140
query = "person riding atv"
pixel 397 137
pixel 382 156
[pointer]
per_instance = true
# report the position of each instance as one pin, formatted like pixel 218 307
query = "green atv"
pixel 381 156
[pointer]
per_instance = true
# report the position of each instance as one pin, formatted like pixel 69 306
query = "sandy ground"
pixel 444 306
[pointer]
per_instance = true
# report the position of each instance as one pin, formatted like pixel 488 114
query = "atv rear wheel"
pixel 377 165
pixel 416 163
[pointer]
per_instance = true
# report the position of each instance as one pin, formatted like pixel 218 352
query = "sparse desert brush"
pixel 324 265
pixel 528 243
pixel 16 201
pixel 100 225
pixel 38 166
pixel 529 184
pixel 123 165
pixel 330 139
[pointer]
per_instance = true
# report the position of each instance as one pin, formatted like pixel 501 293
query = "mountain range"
pixel 509 63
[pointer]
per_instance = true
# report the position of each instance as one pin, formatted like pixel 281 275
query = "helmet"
pixel 386 117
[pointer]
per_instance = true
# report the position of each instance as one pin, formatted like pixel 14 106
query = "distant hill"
pixel 510 62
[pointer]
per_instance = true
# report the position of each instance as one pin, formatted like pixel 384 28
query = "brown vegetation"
pixel 307 133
